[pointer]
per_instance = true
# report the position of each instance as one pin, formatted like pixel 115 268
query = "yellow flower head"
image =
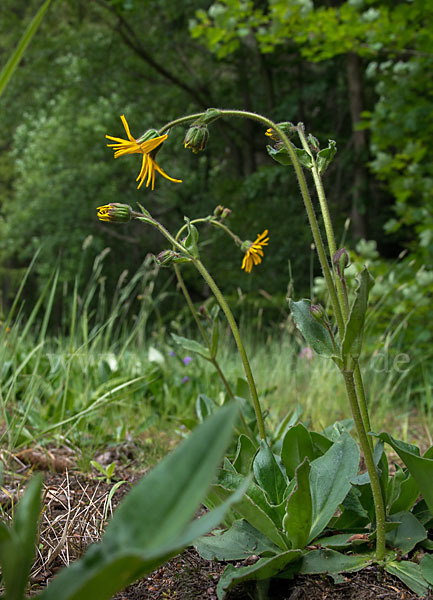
pixel 148 148
pixel 254 251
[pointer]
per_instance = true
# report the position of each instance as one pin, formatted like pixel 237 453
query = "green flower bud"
pixel 341 261
pixel 196 137
pixel 150 134
pixel 167 257
pixel 115 213
pixel 288 128
pixel 218 210
pixel 317 311
pixel 226 213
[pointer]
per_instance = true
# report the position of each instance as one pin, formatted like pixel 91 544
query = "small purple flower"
pixel 306 353
pixel 172 353
pixel 187 360
pixel 185 379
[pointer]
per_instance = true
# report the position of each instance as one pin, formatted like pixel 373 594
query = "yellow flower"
pixel 254 251
pixel 148 148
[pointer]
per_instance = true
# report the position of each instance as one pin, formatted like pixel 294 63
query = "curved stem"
pixel 236 334
pixel 369 463
pixel 179 121
pixel 307 203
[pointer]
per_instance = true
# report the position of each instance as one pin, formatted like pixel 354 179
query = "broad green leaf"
pixel 331 561
pixel 320 442
pixel 408 492
pixel 191 345
pixel 153 522
pixel 325 157
pixel 14 60
pixel 264 568
pixel 297 519
pixel 407 535
pixel 315 334
pixel 253 507
pixel 410 574
pixel 240 541
pixel 281 155
pixel 420 468
pixel 330 480
pixel 296 446
pixel 353 513
pixel 354 330
pixel 245 453
pixel 286 423
pixel 426 565
pixel 17 547
pixel 268 474
pixel 339 541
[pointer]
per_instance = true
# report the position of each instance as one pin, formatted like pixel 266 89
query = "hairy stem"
pixel 236 334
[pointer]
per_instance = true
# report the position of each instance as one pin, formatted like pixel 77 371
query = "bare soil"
pixel 77 505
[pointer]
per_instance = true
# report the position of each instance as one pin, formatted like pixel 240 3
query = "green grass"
pixel 112 374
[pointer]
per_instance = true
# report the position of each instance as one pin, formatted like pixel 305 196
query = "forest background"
pixel 358 72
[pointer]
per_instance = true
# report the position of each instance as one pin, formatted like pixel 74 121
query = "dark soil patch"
pixel 76 507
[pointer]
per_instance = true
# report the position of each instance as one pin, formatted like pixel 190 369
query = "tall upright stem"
pixel 369 463
pixel 342 296
pixel 236 334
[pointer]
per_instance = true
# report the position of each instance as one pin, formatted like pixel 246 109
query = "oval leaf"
pixel 315 334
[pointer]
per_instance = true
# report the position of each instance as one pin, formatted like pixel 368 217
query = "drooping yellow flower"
pixel 254 251
pixel 148 148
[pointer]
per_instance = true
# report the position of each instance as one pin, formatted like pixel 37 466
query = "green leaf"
pixel 245 453
pixel 153 522
pixel 253 507
pixel 315 334
pixel 321 443
pixel 296 446
pixel 204 407
pixel 17 548
pixel 420 468
pixel 191 346
pixel 191 241
pixel 264 568
pixel 268 474
pixel 330 480
pixel 331 561
pixel 240 541
pixel 410 574
pixel 407 535
pixel 326 156
pixel 298 516
pixel 14 60
pixel 426 565
pixel 354 330
pixel 408 492
pixel 281 155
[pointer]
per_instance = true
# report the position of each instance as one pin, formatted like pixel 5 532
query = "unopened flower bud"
pixel 218 210
pixel 196 137
pixel 341 261
pixel 318 312
pixel 167 257
pixel 115 213
pixel 226 213
pixel 288 128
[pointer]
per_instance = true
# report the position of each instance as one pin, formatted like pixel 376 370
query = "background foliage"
pixel 352 71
